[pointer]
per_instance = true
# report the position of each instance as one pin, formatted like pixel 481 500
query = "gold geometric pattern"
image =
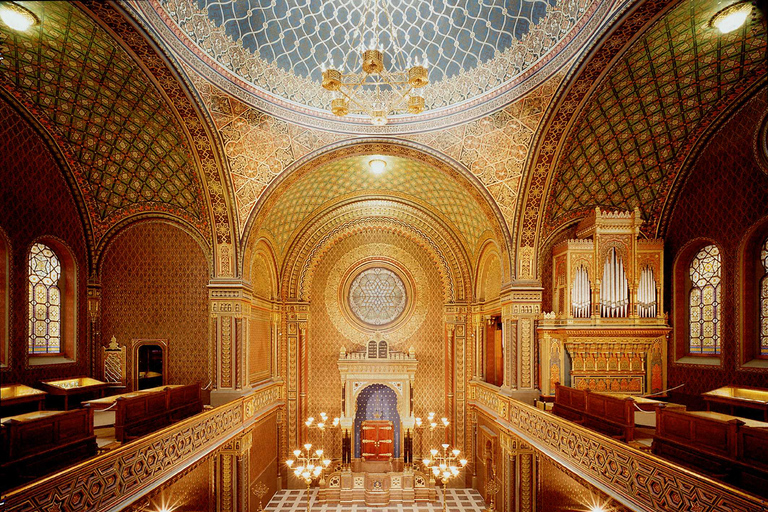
pixel 327 322
pixel 351 176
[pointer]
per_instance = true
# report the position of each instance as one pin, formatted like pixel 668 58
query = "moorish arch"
pixel 473 210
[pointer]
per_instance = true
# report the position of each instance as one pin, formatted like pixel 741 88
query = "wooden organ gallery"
pixel 393 255
pixel 606 331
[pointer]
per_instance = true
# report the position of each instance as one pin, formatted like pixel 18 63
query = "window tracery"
pixel 704 302
pixel 44 301
pixel 377 296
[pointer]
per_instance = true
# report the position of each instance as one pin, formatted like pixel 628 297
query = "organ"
pixel 606 331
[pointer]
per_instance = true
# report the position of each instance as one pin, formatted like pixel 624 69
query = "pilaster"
pixel 456 319
pixel 519 462
pixel 93 294
pixel 232 475
pixel 230 308
pixel 521 306
pixel 295 347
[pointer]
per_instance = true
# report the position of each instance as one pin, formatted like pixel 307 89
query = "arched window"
pixel 704 302
pixel 45 276
pixel 764 300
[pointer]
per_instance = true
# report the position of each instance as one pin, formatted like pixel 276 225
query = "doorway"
pixel 150 367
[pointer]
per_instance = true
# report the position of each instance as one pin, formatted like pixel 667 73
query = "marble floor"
pixel 459 500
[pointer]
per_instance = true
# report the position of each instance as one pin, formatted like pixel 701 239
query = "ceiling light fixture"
pixel 17 17
pixel 377 165
pixel 375 91
pixel 732 17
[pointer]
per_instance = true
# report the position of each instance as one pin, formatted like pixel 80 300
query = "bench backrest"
pixel 147 412
pixel 704 433
pixel 27 437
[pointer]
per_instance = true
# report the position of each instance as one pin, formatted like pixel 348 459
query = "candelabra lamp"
pixel 491 489
pixel 445 465
pixel 308 466
pixel 322 426
pixel 259 490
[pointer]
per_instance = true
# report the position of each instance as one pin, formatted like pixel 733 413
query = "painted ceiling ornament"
pixel 377 296
pixel 271 54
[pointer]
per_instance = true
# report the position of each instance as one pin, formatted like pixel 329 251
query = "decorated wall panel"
pixel 35 201
pixel 726 192
pixel 190 490
pixel 260 345
pixel 561 490
pixel 264 463
pixel 329 329
pixel 154 286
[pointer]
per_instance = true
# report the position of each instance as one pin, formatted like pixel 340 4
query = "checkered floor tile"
pixel 294 500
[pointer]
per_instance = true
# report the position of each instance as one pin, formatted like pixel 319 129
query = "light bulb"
pixel 308 446
pixel 456 452
pixel 297 452
pixel 289 462
pixel 433 452
pixel 17 17
pixel 732 17
pixel 377 165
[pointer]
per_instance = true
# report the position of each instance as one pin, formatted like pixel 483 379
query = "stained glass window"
pixel 704 302
pixel 44 301
pixel 764 301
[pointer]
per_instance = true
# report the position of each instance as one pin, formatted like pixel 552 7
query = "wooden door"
pixel 377 440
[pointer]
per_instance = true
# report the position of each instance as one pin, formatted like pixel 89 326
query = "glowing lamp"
pixel 17 17
pixel 732 17
pixel 377 165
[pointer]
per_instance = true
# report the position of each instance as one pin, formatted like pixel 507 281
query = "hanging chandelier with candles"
pixel 375 91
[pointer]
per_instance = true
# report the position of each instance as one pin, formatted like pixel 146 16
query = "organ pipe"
pixel 581 294
pixel 614 288
pixel 646 294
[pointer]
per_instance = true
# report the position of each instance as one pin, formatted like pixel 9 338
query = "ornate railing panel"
pixel 114 478
pixel 638 479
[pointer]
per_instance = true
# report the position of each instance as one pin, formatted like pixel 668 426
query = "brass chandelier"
pixel 374 91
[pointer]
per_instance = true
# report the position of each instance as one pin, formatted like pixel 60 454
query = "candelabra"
pixel 259 490
pixel 491 488
pixel 432 425
pixel 309 466
pixel 322 425
pixel 445 466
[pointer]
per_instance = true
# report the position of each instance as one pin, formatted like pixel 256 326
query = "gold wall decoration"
pixel 424 330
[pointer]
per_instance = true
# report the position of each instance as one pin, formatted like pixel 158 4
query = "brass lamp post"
pixel 445 466
pixel 309 466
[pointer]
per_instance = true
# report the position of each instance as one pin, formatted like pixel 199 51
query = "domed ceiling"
pixel 271 53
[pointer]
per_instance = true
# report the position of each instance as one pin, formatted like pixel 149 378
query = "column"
pixel 521 306
pixel 93 294
pixel 296 315
pixel 231 475
pixel 519 470
pixel 456 316
pixel 230 308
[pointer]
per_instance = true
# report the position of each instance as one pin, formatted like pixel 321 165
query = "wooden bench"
pixel 143 413
pixel 730 448
pixel 604 413
pixel 37 443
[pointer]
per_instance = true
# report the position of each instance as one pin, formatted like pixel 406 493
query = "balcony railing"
pixel 640 480
pixel 116 478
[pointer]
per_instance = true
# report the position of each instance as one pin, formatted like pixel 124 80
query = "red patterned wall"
pixel 726 192
pixel 154 280
pixel 36 201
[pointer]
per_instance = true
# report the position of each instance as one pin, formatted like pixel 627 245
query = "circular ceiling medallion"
pixel 377 296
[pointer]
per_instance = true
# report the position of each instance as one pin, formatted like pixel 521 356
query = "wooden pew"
pixel 604 413
pixel 143 413
pixel 730 448
pixel 37 443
